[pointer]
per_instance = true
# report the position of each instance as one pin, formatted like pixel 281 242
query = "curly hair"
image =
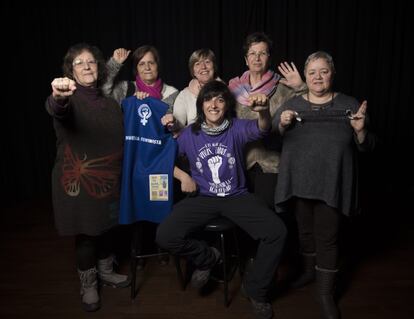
pixel 76 50
pixel 257 37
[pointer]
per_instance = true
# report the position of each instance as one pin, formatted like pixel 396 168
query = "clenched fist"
pixel 62 88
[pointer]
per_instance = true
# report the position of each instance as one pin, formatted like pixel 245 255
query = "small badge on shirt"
pixel 158 184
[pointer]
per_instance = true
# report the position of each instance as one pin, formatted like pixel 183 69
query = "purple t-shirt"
pixel 217 161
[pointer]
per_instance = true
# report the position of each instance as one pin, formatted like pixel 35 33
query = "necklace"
pixel 322 106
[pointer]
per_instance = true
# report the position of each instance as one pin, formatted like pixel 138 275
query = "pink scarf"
pixel 242 89
pixel 154 91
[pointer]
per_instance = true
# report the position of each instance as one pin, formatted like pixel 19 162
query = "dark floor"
pixel 38 278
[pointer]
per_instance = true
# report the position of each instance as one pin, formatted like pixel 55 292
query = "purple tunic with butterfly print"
pixel 86 174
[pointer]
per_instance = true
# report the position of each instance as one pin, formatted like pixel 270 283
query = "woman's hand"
pixel 358 119
pixel 358 122
pixel 167 120
pixel 258 102
pixel 141 95
pixel 62 88
pixel 287 117
pixel 291 75
pixel 188 185
pixel 120 55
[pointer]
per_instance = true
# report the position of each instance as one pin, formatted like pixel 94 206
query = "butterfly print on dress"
pixel 99 177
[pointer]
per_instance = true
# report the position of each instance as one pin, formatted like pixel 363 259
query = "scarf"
pixel 153 91
pixel 215 130
pixel 241 88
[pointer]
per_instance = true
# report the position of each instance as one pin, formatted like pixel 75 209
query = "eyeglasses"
pixel 79 63
pixel 143 64
pixel 260 54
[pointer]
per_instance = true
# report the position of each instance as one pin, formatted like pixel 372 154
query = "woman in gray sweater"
pixel 322 132
pixel 146 63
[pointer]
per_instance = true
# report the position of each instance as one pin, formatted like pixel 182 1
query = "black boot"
pixel 308 271
pixel 325 286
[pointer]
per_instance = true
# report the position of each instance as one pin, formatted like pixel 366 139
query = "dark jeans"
pixel 248 212
pixel 318 226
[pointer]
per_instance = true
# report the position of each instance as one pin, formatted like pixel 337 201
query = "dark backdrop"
pixel 369 40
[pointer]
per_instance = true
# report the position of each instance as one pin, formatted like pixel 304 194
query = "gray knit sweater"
pixel 119 89
pixel 318 159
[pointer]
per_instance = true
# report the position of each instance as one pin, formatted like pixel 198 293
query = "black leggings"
pixel 90 248
pixel 318 226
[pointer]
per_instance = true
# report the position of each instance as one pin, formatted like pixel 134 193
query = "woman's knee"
pixel 281 229
pixel 275 229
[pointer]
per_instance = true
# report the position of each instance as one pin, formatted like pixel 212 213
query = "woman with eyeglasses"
pixel 86 174
pixel 261 160
pixel 146 68
pixel 322 131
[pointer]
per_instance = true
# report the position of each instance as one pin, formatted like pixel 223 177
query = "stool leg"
pixel 180 275
pixel 133 273
pixel 225 280
pixel 136 249
pixel 236 246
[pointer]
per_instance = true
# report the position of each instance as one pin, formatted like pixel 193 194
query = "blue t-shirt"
pixel 149 156
pixel 217 161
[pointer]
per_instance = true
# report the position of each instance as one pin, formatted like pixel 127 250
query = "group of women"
pixel 227 133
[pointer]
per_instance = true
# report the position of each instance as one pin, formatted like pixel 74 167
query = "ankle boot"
pixel 325 280
pixel 308 271
pixel 89 289
pixel 108 276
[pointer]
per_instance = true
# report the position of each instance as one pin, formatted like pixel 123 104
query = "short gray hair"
pixel 320 55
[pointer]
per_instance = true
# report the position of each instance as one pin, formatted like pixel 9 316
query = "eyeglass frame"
pixel 78 63
pixel 260 54
pixel 143 65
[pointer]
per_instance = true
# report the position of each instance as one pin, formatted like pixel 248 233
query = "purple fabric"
pixel 217 162
pixel 153 90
